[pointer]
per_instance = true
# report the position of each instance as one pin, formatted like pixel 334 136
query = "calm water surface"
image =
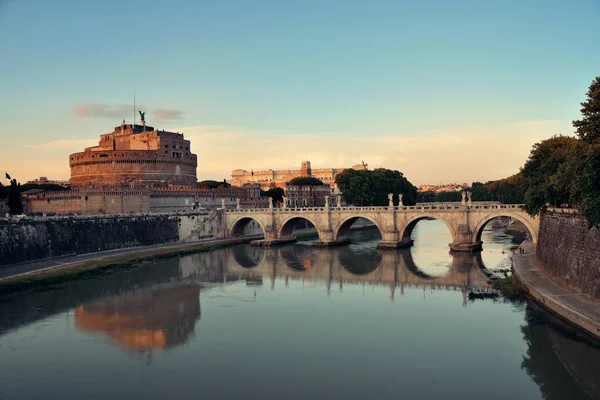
pixel 290 323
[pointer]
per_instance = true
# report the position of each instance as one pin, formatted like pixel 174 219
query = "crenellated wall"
pixel 570 251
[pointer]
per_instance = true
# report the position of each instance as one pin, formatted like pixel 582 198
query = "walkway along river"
pixel 293 322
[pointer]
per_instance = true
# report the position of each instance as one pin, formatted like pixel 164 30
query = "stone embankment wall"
pixel 570 251
pixel 38 238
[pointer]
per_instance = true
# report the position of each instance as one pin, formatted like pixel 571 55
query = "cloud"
pixel 66 144
pixel 163 114
pixel 102 110
pixel 461 155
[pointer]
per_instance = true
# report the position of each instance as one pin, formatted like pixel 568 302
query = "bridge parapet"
pixel 464 221
pixel 443 207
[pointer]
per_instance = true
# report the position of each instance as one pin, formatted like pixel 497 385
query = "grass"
pixel 510 287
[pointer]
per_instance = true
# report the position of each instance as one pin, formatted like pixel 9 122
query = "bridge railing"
pixel 428 207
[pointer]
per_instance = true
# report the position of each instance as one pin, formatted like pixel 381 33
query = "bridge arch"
pixel 343 228
pixel 239 226
pixel 521 217
pixel 248 257
pixel 406 232
pixel 287 226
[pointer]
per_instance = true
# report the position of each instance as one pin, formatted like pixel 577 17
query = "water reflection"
pixel 143 320
pixel 307 322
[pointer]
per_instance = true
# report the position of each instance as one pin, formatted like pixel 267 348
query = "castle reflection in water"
pixel 164 315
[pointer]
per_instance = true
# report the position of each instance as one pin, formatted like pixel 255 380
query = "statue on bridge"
pixel 223 204
pixel 469 194
pixel 391 200
pixel 270 202
pixel 284 205
pixel 400 204
pixel 326 201
pixel 339 201
pixel 464 197
pixel 237 204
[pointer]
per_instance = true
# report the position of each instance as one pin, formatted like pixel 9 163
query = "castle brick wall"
pixel 570 251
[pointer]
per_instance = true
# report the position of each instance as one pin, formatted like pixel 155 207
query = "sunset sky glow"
pixel 443 91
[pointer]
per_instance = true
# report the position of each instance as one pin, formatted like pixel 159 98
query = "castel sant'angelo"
pixel 137 168
pixel 135 156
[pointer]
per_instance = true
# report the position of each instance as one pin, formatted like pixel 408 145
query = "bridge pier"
pixel 466 247
pixel 395 244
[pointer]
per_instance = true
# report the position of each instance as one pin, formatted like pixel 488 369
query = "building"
pixel 137 169
pixel 124 201
pixel 277 178
pixel 42 180
pixel 135 157
pixel 307 196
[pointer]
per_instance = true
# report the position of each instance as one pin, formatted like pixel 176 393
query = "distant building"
pixel 306 196
pixel 278 178
pixel 42 180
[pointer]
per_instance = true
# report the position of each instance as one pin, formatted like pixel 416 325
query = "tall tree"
pixel 541 173
pixel 365 187
pixel 588 127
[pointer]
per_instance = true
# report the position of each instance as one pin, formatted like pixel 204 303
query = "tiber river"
pixel 293 322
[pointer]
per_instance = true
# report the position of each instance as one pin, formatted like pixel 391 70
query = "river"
pixel 294 322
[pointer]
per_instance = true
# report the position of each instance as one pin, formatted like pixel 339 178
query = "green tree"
pixel 584 186
pixel 507 191
pixel 448 197
pixel 479 192
pixel 588 127
pixel 542 174
pixel 365 187
pixel 275 193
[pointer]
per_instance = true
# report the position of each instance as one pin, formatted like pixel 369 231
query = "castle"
pixel 137 169
pixel 135 156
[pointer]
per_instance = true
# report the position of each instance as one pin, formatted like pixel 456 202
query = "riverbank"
pixel 72 269
pixel 577 308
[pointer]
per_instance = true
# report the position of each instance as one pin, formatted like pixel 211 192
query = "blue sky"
pixel 432 88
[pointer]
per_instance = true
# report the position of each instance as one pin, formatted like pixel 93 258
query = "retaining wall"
pixel 570 251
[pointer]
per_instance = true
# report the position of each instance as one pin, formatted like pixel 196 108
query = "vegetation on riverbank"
pixel 48 279
pixel 510 287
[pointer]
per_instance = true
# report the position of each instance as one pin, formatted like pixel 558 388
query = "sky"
pixel 443 91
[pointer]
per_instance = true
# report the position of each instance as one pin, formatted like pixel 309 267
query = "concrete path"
pixel 15 270
pixel 575 307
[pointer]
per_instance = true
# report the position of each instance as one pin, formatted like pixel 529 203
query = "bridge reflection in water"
pixel 345 265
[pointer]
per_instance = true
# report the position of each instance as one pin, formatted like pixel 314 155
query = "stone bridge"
pixel 395 223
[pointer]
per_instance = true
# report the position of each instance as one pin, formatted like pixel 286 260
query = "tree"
pixel 479 192
pixel 210 184
pixel 507 191
pixel 542 180
pixel 15 204
pixel 306 181
pixel 588 127
pixel 275 193
pixel 365 187
pixel 584 186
